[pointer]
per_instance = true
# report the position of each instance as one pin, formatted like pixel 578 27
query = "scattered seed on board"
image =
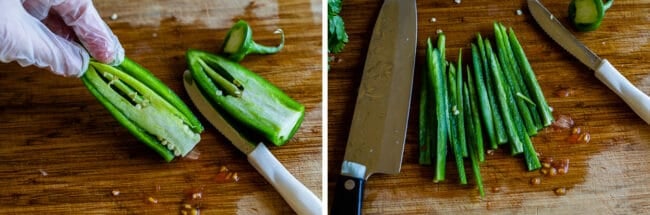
pixel 197 195
pixel 114 16
pixel 496 189
pixel 544 171
pixel 561 191
pixel 535 180
pixel 490 152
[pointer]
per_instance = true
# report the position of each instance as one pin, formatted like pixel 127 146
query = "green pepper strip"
pixel 437 78
pixel 425 120
pixel 462 138
pixel 515 84
pixel 491 91
pixel 455 121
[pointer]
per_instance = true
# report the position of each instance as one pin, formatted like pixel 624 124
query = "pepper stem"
pixel 607 4
pixel 262 49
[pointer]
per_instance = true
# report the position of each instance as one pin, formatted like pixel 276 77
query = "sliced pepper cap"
pixel 586 15
pixel 239 42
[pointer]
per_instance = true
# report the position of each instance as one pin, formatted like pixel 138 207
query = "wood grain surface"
pixel 61 152
pixel 609 175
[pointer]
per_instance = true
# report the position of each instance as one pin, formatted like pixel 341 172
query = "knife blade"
pixel 378 130
pixel 299 197
pixel 604 70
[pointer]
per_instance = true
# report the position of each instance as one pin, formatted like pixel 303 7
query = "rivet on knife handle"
pixel 348 195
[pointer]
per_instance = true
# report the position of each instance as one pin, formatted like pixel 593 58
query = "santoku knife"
pixel 605 72
pixel 378 131
pixel 299 197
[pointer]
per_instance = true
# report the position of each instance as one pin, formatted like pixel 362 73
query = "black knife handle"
pixel 348 196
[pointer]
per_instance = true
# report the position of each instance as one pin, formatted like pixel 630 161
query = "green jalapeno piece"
pixel 586 15
pixel 145 106
pixel 248 102
pixel 239 42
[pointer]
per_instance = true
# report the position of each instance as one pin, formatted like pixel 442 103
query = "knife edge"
pixel 562 36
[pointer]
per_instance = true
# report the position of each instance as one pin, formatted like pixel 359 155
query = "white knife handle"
pixel 301 199
pixel 637 100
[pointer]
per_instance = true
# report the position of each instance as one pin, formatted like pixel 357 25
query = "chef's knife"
pixel 301 199
pixel 378 131
pixel 605 72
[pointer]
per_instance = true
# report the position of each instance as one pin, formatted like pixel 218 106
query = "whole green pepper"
pixel 145 106
pixel 239 42
pixel 249 103
pixel 586 15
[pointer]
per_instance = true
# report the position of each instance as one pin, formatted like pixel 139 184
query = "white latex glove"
pixel 43 33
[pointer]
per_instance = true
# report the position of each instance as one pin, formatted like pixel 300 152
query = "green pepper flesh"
pixel 261 109
pixel 151 117
pixel 587 15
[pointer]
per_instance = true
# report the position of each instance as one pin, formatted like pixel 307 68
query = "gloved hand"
pixel 43 33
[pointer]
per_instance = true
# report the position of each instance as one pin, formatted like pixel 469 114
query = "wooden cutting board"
pixel 61 152
pixel 609 175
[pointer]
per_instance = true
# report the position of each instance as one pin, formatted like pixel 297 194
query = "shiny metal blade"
pixel 378 130
pixel 562 36
pixel 203 105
